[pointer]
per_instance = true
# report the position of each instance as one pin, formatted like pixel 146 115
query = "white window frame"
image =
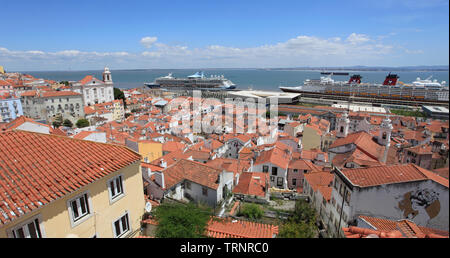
pixel 75 222
pixel 124 233
pixel 25 223
pixel 116 197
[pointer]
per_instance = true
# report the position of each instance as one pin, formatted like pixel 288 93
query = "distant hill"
pixel 371 68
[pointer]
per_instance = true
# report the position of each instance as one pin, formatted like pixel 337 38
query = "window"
pixel 335 184
pixel 272 179
pixel 115 187
pixel 294 181
pixel 79 207
pixel 121 226
pixel 30 229
pixel 347 197
pixel 274 171
pixel 341 190
pixel 205 191
pixel 265 168
pixel 295 170
pixel 188 185
pixel 279 181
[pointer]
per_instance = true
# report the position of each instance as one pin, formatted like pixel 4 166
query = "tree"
pixel 292 229
pixel 252 211
pixel 118 94
pixel 64 82
pixel 301 224
pixel 57 122
pixel 82 123
pixel 181 221
pixel 304 212
pixel 67 123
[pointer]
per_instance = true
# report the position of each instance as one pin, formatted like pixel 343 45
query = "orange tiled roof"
pixel 172 146
pixel 226 228
pixel 363 141
pixel 19 121
pixel 380 175
pixel 87 79
pixel 48 94
pixel 317 179
pixel 252 183
pixel 192 171
pixel 408 228
pixel 36 169
pixel 275 156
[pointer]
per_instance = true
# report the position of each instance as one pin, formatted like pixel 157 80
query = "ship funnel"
pixel 355 79
pixel 391 79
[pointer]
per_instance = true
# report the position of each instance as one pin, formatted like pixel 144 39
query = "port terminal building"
pixel 283 97
pixel 436 112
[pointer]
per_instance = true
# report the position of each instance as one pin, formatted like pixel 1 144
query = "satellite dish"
pixel 148 207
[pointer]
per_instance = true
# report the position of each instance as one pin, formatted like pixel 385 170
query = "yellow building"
pixel 2 70
pixel 149 150
pixel 118 110
pixel 311 138
pixel 64 187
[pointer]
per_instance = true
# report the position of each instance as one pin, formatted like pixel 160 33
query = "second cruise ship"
pixel 195 81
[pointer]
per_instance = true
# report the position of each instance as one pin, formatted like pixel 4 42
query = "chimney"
pixel 163 163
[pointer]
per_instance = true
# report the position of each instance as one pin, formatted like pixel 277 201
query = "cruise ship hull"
pixel 196 81
pixel 409 93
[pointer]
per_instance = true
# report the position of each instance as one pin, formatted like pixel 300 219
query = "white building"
pixel 390 192
pixel 95 91
pixel 195 181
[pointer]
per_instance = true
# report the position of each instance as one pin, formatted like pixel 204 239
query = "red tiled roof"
pixel 408 228
pixel 363 141
pixel 36 169
pixel 151 166
pixel 192 171
pixel 380 175
pixel 48 94
pixel 88 78
pixel 172 146
pixel 19 121
pixel 421 149
pixel 227 228
pixel 275 156
pixel 356 232
pixel 443 172
pixel 252 183
pixel 317 179
pixel 83 134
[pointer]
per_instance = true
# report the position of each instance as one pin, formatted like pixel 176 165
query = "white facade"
pixel 200 193
pixel 95 91
pixel 426 203
pixel 278 176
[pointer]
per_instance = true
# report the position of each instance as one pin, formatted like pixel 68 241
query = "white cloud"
pixel 299 51
pixel 148 41
pixel 357 38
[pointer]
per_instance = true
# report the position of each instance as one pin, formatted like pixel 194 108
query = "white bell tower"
pixel 107 76
pixel 342 126
pixel 385 137
pixel 385 132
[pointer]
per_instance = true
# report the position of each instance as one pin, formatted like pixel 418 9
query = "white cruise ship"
pixel 195 81
pixel 391 88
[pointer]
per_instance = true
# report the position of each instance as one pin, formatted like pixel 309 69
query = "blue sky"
pixel 61 35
